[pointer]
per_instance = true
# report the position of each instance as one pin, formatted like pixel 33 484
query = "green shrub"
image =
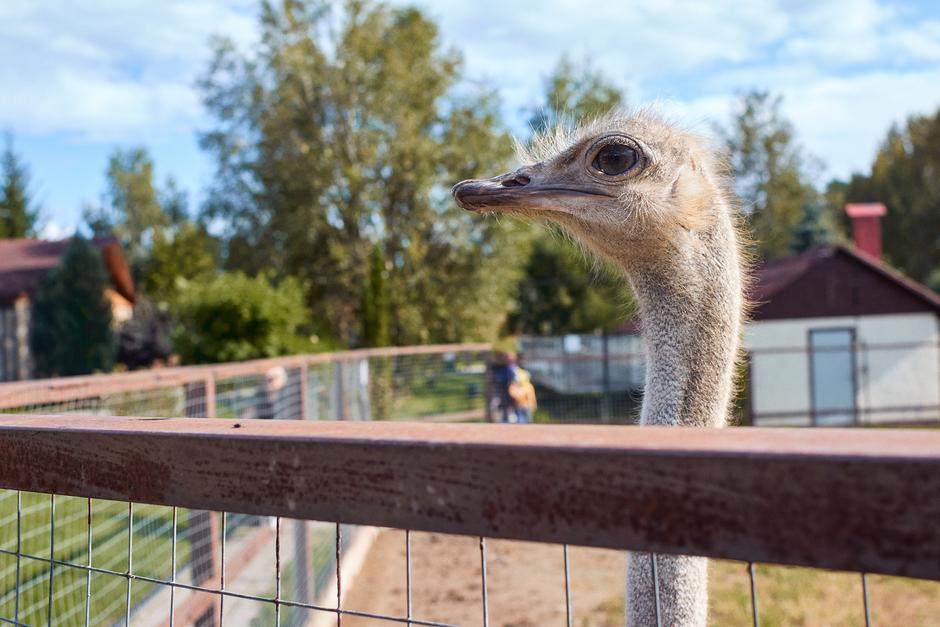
pixel 232 317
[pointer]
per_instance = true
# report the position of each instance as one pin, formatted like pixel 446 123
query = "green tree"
pixel 562 291
pixel 813 229
pixel 345 128
pixel 18 214
pixel 184 252
pixel 772 172
pixel 904 176
pixel 232 317
pixel 130 206
pixel 375 322
pixel 575 91
pixel 163 244
pixel 70 332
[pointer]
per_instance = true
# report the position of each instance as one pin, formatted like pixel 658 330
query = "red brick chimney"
pixel 866 226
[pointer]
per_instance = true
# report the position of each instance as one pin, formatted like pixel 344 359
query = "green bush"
pixel 232 317
pixel 71 331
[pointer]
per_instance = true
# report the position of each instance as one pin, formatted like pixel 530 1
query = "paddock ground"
pixel 525 583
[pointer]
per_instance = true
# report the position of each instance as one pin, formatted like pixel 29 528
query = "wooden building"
pixel 24 263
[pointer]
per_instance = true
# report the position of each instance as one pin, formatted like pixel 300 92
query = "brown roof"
pixel 835 280
pixel 25 262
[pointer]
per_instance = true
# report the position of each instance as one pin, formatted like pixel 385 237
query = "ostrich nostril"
pixel 516 181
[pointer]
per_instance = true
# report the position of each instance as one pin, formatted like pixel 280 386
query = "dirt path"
pixel 525 582
pixel 526 588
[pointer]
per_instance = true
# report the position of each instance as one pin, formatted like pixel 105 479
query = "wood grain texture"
pixel 864 500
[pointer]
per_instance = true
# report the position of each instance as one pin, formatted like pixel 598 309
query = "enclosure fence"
pixel 835 380
pixel 159 520
pixel 780 496
pixel 431 383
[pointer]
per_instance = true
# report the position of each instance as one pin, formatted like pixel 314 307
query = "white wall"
pixel 893 381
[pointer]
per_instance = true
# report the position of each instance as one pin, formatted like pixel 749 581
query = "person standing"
pixel 522 394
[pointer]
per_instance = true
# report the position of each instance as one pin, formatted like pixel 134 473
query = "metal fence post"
pixel 605 365
pixel 340 384
pixel 209 396
pixel 205 543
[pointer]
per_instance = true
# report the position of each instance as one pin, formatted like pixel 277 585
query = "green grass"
pixel 436 393
pixel 152 537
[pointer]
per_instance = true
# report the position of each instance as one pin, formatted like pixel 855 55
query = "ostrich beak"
pixel 523 188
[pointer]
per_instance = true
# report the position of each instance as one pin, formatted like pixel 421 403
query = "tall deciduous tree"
pixel 561 292
pixel 344 129
pixel 70 333
pixel 163 244
pixel 18 213
pixel 905 175
pixel 773 175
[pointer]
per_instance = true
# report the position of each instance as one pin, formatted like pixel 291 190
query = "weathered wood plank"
pixel 865 500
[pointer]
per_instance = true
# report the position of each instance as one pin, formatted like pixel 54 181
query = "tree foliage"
pixel 813 229
pixel 232 317
pixel 773 175
pixel 905 175
pixel 343 130
pixel 164 246
pixel 561 291
pixel 575 91
pixel 18 213
pixel 70 331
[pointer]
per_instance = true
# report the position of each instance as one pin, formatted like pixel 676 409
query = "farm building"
pixel 836 337
pixel 839 338
pixel 24 263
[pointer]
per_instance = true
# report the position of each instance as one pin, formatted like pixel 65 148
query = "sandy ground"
pixel 525 582
pixel 526 588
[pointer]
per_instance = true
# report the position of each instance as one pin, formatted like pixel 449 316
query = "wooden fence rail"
pixel 39 391
pixel 862 500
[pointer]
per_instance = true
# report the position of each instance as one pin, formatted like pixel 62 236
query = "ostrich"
pixel 650 198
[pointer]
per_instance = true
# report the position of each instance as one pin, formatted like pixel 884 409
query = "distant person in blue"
pixel 504 371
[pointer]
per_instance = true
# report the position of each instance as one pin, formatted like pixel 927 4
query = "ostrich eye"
pixel 614 159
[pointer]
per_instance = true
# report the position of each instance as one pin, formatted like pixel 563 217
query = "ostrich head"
pixel 631 187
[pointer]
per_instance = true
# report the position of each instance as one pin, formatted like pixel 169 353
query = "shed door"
pixel 832 374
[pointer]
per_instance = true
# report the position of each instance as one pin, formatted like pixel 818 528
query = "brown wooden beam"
pixel 854 499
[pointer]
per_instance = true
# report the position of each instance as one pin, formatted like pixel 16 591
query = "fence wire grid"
pixel 76 561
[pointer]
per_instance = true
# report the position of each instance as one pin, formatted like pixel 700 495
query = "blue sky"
pixel 82 77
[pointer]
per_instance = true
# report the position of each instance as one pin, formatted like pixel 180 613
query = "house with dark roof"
pixel 837 337
pixel 24 263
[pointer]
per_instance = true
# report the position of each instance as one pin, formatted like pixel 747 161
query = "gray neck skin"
pixel 690 309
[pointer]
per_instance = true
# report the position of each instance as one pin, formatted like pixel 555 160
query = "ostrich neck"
pixel 690 309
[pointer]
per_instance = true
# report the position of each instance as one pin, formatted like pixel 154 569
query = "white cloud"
pixel 110 70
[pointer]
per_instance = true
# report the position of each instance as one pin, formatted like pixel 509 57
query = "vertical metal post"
pixel 203 542
pixel 486 600
pixel 408 575
pixel 209 411
pixel 130 562
pixel 865 600
pixel 567 589
pixel 51 556
pixel 753 577
pixel 605 365
pixel 88 574
pixel 173 568
pixel 340 385
pixel 19 553
pixel 339 578
pixel 657 606
pixel 304 392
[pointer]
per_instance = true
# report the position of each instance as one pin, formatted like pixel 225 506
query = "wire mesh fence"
pixel 828 379
pixel 78 560
pixel 69 560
